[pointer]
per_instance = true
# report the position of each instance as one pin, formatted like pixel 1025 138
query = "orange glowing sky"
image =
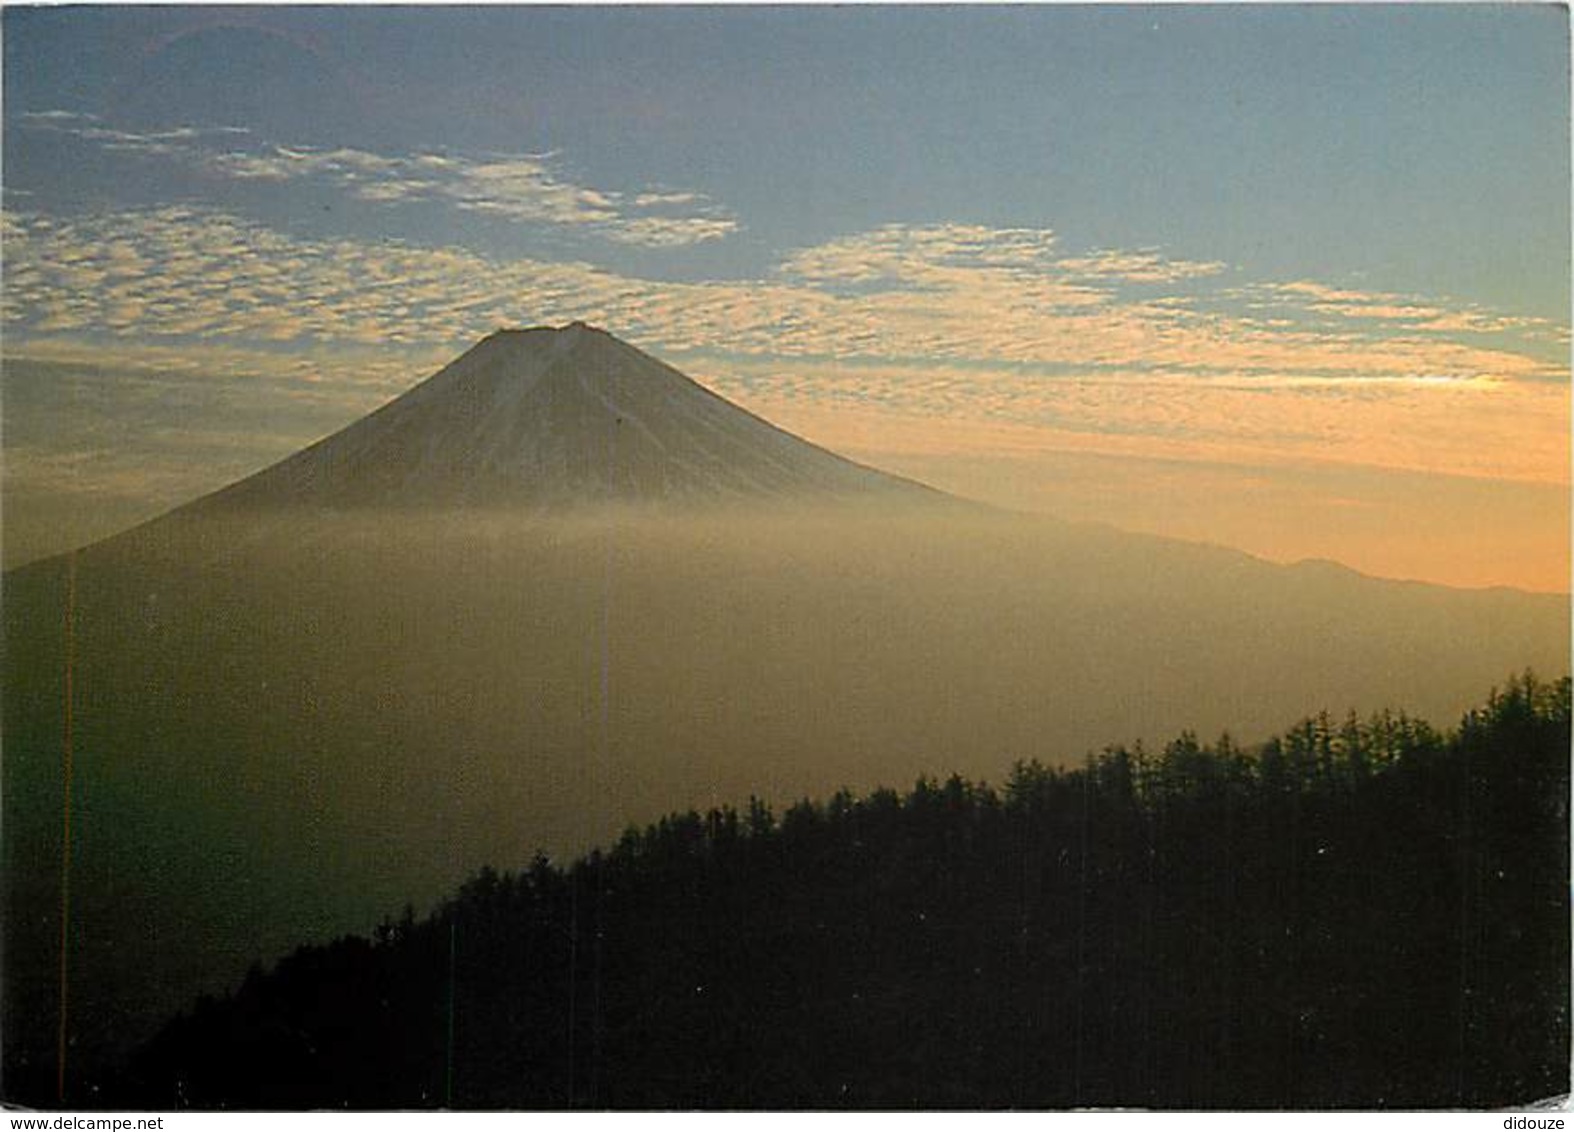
pixel 1292 280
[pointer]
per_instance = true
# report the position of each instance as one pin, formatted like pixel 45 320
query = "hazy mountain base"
pixel 1360 914
pixel 285 726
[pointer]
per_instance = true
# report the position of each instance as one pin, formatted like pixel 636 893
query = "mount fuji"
pixel 557 418
pixel 559 589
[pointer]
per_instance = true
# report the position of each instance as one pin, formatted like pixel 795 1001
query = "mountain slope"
pixel 424 644
pixel 1138 932
pixel 555 418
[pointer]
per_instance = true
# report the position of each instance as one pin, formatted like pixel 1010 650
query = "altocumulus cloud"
pixel 526 188
pixel 938 322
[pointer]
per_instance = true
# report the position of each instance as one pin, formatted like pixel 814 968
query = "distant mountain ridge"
pixel 558 588
pixel 558 417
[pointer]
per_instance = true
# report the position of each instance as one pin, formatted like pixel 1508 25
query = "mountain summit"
pixel 339 685
pixel 552 417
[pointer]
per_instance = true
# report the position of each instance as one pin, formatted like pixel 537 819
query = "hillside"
pixel 352 679
pixel 1357 914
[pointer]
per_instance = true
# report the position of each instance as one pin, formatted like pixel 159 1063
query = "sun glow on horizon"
pixel 256 277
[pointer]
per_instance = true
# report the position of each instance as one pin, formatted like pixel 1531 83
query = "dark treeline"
pixel 1366 914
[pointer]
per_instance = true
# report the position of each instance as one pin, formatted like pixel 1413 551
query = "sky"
pixel 1293 279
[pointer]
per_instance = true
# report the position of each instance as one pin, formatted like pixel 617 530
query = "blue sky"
pixel 1307 243
pixel 1412 148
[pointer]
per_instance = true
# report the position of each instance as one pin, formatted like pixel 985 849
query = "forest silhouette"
pixel 1357 913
